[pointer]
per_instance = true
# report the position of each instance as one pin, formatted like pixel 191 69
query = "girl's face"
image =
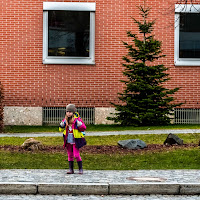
pixel 69 114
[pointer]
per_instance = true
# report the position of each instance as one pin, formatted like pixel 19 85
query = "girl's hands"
pixel 62 124
pixel 69 120
pixel 79 123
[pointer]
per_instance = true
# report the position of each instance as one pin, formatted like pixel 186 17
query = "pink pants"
pixel 72 152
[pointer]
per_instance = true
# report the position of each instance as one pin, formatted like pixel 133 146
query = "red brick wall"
pixel 28 82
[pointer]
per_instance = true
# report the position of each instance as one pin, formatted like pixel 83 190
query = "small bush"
pixel 1 107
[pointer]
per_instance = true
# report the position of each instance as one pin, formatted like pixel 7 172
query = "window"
pixel 187 35
pixel 68 33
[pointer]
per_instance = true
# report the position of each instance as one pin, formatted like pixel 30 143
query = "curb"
pixel 145 189
pixel 18 188
pixel 73 188
pixel 100 188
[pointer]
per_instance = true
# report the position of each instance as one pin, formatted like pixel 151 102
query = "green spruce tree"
pixel 144 101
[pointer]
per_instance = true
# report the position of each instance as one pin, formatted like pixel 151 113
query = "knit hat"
pixel 71 108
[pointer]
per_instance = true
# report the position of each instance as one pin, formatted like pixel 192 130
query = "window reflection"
pixel 68 33
pixel 189 37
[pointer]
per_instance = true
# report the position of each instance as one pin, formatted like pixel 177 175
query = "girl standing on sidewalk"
pixel 72 127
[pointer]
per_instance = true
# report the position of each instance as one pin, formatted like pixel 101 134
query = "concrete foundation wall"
pixel 22 115
pixel 33 115
pixel 102 113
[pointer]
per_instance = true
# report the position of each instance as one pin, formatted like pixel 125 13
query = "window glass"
pixel 189 36
pixel 68 33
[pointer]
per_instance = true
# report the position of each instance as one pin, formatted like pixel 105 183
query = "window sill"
pixel 69 61
pixel 187 62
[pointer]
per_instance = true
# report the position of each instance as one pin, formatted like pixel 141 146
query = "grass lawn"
pixel 104 140
pixel 29 129
pixel 169 159
pixel 179 159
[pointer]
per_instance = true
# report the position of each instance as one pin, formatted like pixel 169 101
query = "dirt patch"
pixel 103 149
pixel 120 150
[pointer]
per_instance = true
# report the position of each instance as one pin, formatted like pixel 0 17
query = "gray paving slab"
pixel 99 197
pixel 99 176
pixel 131 132
pixel 93 197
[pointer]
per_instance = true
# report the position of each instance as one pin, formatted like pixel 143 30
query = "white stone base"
pixel 33 115
pixel 102 113
pixel 23 116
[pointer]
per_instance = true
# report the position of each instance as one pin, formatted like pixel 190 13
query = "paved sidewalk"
pixel 108 182
pixel 131 132
pixel 99 197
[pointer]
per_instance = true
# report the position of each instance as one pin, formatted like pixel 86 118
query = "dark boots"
pixel 80 166
pixel 71 167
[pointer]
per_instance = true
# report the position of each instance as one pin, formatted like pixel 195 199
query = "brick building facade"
pixel 31 83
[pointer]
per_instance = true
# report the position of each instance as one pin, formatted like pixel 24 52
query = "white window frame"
pixel 183 8
pixel 69 6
